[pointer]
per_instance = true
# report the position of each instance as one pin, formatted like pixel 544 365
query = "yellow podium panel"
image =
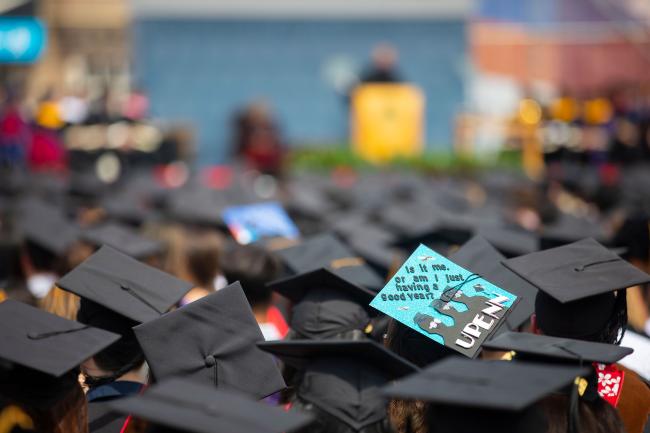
pixel 387 121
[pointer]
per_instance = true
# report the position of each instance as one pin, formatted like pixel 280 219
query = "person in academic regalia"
pixel 338 382
pixel 469 396
pixel 39 369
pixel 182 406
pixel 254 266
pixel 582 296
pixel 211 341
pixel 118 293
pixel 47 237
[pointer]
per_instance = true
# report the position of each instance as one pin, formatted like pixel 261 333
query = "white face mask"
pixel 39 285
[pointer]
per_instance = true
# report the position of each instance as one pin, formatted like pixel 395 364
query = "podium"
pixel 387 121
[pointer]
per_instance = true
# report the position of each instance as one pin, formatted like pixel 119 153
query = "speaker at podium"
pixel 387 121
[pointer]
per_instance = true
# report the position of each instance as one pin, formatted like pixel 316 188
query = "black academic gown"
pixel 100 418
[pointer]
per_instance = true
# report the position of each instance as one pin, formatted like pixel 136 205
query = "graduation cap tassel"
pixel 448 293
pixel 42 335
pixel 599 262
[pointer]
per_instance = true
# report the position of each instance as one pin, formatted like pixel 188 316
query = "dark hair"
pixel 125 354
pixel 410 416
pixel 41 258
pixel 600 318
pixel 202 258
pixel 253 267
pixel 596 416
pixel 55 405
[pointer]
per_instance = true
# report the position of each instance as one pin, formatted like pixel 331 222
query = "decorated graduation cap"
pixel 124 239
pixel 578 286
pixel 342 378
pixel 479 256
pixel 187 406
pixel 124 285
pixel 253 222
pixel 561 349
pixel 45 342
pixel 325 305
pixel 212 341
pixel 326 251
pixel 445 302
pixel 45 226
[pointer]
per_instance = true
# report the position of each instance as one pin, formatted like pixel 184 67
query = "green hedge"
pixel 331 157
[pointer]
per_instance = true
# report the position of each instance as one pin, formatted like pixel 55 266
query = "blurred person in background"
pixel 60 302
pixel 136 106
pixel 15 133
pixel 202 256
pixel 254 267
pixel 46 150
pixel 257 139
pixel 383 68
pixel 74 108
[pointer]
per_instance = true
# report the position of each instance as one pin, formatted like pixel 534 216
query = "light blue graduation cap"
pixel 250 223
pixel 445 302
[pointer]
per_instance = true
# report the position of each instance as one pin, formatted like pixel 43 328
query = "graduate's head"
pixel 254 267
pixel 39 367
pixel 121 357
pixel 581 290
pixel 600 318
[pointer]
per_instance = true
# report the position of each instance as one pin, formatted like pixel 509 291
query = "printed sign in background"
pixel 444 301
pixel 249 223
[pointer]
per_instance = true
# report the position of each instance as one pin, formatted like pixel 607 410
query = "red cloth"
pixel 46 151
pixel 273 315
pixel 610 382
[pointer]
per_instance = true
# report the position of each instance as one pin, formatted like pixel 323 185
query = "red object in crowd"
pixel 46 151
pixel 274 316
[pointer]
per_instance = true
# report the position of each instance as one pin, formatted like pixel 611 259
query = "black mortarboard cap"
pixel 480 257
pixel 325 304
pixel 299 353
pixel 567 229
pixel 199 206
pixel 124 239
pixel 511 241
pixel 498 385
pixel 296 287
pixel 343 378
pixel 191 407
pixel 326 251
pixel 124 285
pixel 577 271
pixel 212 340
pixel 45 342
pixel 563 349
pixel 46 226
